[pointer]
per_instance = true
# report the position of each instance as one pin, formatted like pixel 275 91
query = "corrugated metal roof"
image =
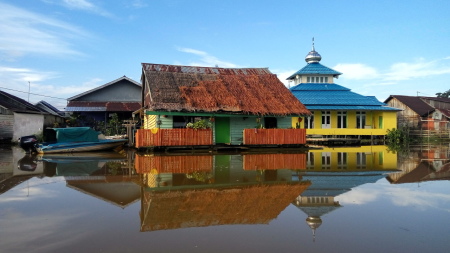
pixel 445 112
pixel 315 68
pixel 204 70
pixel 17 104
pixel 414 103
pixel 85 109
pixel 351 108
pixel 320 96
pixel 334 98
pixel 85 106
pixel 319 87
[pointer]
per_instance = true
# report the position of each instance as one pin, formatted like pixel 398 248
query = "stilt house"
pixel 336 110
pixel 237 106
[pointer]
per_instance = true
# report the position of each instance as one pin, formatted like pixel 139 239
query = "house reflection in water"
pixel 426 163
pixel 104 176
pixel 334 171
pixel 205 190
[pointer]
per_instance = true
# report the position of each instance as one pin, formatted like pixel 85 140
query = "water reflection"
pixel 335 171
pixel 196 191
pixel 426 163
pixel 176 191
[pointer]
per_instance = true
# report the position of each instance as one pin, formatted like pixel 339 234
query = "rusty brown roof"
pixel 257 204
pixel 254 91
pixel 417 104
pixel 75 106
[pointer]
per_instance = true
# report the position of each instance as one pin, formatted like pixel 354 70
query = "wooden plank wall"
pixel 274 136
pixel 275 161
pixel 173 137
pixel 172 164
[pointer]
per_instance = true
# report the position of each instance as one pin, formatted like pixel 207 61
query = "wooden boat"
pixel 68 140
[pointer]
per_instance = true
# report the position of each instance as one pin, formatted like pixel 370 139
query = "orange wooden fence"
pixel 173 137
pixel 172 164
pixel 274 136
pixel 274 161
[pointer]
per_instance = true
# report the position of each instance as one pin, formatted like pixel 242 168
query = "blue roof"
pixel 315 68
pixel 351 108
pixel 319 86
pixel 330 96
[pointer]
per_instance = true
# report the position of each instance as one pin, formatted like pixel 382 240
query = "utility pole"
pixel 29 87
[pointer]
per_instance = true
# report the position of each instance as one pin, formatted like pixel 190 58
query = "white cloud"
pixel 138 4
pixel 418 69
pixel 359 196
pixel 39 227
pixel 356 71
pixel 209 60
pixel 17 81
pixel 77 89
pixel 282 75
pixel 23 75
pixel 398 195
pixel 206 59
pixel 400 71
pixel 23 32
pixel 81 5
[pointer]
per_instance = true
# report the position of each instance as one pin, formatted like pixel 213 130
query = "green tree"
pixel 443 94
pixel 398 139
pixel 115 125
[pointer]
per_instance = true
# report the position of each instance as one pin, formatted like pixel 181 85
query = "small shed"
pixel 18 118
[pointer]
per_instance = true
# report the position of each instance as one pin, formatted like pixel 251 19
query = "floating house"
pixel 336 110
pixel 198 106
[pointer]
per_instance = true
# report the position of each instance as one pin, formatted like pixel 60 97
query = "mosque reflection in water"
pixel 181 191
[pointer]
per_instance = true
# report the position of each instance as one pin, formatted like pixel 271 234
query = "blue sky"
pixel 60 48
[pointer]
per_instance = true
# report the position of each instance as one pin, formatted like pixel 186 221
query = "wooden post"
pixel 130 125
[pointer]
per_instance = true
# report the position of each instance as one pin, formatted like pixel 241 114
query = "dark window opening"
pixel 181 121
pixel 270 122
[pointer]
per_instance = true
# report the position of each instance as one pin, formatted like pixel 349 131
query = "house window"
pixel 309 121
pixel 270 122
pixel 342 160
pixel 380 158
pixel 326 160
pixel 360 119
pixel 360 160
pixel 380 122
pixel 310 161
pixel 342 120
pixel 317 79
pixel 326 119
pixel 181 121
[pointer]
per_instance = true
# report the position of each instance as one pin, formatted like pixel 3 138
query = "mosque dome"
pixel 314 222
pixel 313 55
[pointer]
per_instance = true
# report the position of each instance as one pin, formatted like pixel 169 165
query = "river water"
pixel 353 199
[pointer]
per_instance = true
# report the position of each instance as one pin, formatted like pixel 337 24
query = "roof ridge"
pixel 204 70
